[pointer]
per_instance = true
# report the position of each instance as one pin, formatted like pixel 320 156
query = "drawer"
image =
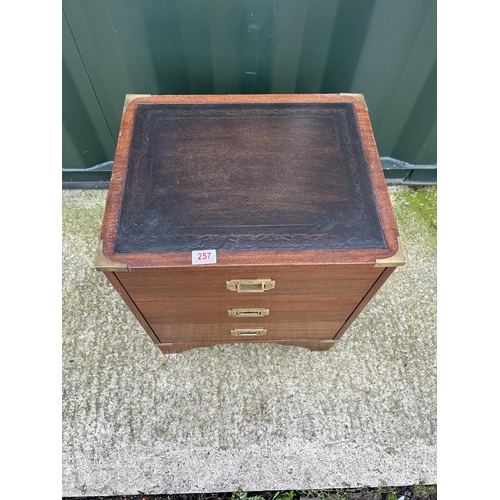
pixel 301 281
pixel 273 309
pixel 222 333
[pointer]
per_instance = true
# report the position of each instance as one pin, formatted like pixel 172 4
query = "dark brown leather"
pixel 239 177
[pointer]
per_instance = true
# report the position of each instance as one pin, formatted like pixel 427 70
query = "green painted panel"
pixel 102 33
pixel 398 64
pixel 86 136
pixel 315 50
pixel 349 38
pixel 417 126
pixel 243 46
pixel 385 49
pixel 289 25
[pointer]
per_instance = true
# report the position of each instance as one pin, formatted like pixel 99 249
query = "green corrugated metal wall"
pixel 385 49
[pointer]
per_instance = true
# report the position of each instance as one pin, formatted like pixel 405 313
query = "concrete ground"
pixel 250 417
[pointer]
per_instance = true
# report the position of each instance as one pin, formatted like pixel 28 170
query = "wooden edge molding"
pixel 130 97
pixel 102 263
pixel 361 97
pixel 260 97
pixel 396 260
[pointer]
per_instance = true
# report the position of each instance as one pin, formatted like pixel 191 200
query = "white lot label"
pixel 204 257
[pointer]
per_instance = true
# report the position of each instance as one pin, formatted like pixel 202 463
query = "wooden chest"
pixel 247 218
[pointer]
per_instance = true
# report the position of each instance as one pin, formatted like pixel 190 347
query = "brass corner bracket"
pixel 361 97
pixel 130 97
pixel 102 263
pixel 396 260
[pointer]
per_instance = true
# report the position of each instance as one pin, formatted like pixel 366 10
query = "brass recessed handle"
pixel 257 285
pixel 248 332
pixel 248 313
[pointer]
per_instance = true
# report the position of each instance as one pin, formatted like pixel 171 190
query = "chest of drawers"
pixel 247 218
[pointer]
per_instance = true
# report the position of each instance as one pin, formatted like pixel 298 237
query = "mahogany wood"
pixel 290 277
pixel 373 290
pixel 176 259
pixel 210 281
pixel 281 309
pixel 114 280
pixel 177 347
pixel 318 330
pixel 317 233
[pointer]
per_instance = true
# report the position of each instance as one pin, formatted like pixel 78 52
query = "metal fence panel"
pixel 385 49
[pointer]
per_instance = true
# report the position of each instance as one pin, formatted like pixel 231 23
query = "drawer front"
pixel 246 310
pixel 251 331
pixel 302 281
pixel 304 303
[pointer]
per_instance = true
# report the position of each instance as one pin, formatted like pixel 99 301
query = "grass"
pixel 417 492
pixel 423 491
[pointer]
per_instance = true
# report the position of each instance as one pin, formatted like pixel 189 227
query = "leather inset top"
pixel 242 177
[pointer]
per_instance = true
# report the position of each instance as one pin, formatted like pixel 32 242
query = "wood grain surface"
pixel 284 187
pixel 113 279
pixel 281 309
pixel 289 279
pixel 312 345
pixel 362 304
pixel 193 332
